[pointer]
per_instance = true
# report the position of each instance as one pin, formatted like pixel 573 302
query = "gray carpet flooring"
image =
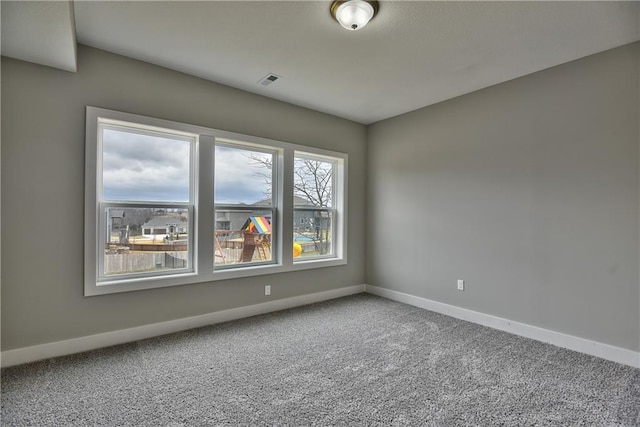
pixel 359 360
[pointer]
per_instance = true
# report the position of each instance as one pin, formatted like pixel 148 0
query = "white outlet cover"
pixel 460 285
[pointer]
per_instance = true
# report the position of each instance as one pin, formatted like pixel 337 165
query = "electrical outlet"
pixel 460 285
pixel 267 289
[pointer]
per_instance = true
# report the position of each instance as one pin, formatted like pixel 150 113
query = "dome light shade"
pixel 354 14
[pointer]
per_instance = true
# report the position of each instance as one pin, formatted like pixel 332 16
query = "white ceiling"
pixel 412 54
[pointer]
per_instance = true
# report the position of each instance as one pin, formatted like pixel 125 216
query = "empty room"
pixel 293 213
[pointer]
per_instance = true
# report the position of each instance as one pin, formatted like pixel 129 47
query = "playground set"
pixel 253 241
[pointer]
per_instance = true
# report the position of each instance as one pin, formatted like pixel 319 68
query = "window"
pixel 169 203
pixel 144 176
pixel 244 199
pixel 223 225
pixel 313 204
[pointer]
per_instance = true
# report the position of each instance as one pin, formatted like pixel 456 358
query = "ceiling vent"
pixel 268 79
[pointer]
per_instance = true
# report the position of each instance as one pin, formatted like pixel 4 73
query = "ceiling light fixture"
pixel 354 14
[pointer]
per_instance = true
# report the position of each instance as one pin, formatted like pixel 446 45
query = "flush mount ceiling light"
pixel 354 14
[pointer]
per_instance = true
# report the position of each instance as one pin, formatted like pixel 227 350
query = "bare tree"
pixel 264 163
pixel 313 183
pixel 313 179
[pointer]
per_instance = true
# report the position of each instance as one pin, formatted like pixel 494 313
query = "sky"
pixel 137 167
pixel 239 178
pixel 144 168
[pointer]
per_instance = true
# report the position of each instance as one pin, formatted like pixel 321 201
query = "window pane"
pixel 142 167
pixel 312 233
pixel 243 176
pixel 146 240
pixel 313 187
pixel 313 182
pixel 243 236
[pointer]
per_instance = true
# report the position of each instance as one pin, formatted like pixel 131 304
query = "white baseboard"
pixel 91 342
pixel 592 348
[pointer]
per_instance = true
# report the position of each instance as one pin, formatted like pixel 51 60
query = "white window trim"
pixel 204 219
pixel 276 189
pixel 336 197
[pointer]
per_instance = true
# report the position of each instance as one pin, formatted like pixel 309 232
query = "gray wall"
pixel 43 115
pixel 528 190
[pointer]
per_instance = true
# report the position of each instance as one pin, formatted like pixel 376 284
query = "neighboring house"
pixel 304 221
pixel 117 218
pixel 230 219
pixel 163 226
pixel 118 231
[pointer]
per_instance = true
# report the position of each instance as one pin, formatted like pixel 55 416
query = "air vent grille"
pixel 268 79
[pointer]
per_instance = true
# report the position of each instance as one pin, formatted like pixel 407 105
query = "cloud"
pixel 140 167
pixel 239 178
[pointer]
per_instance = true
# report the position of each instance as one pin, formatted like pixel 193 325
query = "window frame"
pixel 333 210
pixel 202 227
pixel 105 203
pixel 274 208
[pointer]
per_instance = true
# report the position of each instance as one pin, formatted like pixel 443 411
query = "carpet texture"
pixel 359 360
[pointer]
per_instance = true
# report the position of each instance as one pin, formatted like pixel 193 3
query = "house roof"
pixel 164 221
pixel 297 201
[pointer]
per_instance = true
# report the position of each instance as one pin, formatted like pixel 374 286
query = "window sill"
pixel 236 273
pixel 142 283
